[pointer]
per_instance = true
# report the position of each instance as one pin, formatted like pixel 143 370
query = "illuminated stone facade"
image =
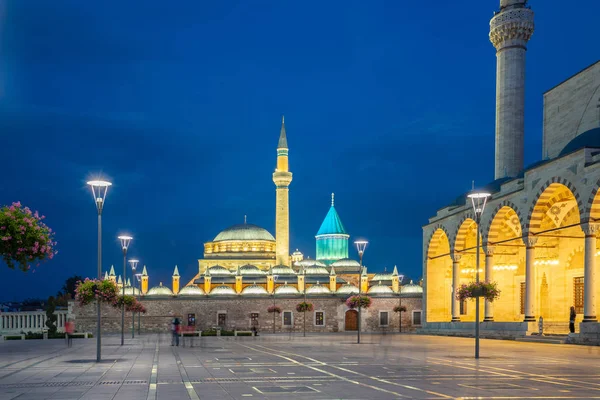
pixel 538 229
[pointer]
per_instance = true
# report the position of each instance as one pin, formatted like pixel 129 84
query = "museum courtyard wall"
pixel 161 311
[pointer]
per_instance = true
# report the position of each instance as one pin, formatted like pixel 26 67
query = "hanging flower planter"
pixel 356 301
pixel 304 307
pixel 127 299
pixel 400 309
pixel 89 290
pixel 274 309
pixel 487 290
pixel 137 307
pixel 24 238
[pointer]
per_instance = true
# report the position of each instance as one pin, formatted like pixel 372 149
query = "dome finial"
pixel 245 219
pixel 332 199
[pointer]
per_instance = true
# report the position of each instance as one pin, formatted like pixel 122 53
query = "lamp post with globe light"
pixel 133 264
pixel 99 190
pixel 138 278
pixel 361 245
pixel 125 241
pixel 478 199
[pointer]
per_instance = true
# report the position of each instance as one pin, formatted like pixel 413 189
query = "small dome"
pixel 283 270
pixel 380 289
pixel 286 289
pixel 191 290
pixel 382 277
pixel 309 263
pixel 159 291
pixel 244 232
pixel 589 138
pixel 131 291
pixel 318 289
pixel 347 289
pixel 218 270
pixel 223 290
pixel 250 270
pixel 254 290
pixel 346 263
pixel 411 288
pixel 314 270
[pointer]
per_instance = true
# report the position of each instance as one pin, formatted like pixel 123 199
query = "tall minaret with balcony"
pixel 510 30
pixel 282 178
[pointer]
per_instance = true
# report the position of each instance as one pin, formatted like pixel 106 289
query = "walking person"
pixel 572 316
pixel 69 330
pixel 175 329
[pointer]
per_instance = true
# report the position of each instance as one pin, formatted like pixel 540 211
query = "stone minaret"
pixel 176 280
pixel 510 30
pixel 282 178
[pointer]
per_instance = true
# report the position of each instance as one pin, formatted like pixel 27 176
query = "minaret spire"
pixel 282 177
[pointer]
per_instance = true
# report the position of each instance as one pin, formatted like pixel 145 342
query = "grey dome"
pixel 411 288
pixel 309 263
pixel 223 290
pixel 380 289
pixel 286 289
pixel 130 291
pixel 244 232
pixel 250 270
pixel 318 289
pixel 254 290
pixel 159 291
pixel 347 289
pixel 315 270
pixel 283 270
pixel 191 290
pixel 218 270
pixel 346 263
pixel 589 138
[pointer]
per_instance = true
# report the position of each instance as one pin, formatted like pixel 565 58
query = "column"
pixel 589 274
pixel 530 242
pixel 1 322
pixel 489 276
pixel 455 282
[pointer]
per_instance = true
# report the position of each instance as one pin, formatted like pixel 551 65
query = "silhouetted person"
pixel 69 330
pixel 572 316
pixel 175 329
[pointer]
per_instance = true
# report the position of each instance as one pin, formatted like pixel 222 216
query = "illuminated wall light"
pixel 546 262
pixel 507 267
pixel 470 270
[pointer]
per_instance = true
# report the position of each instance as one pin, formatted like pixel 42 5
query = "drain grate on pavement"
pixel 285 389
pixel 252 370
pixel 44 384
pixel 493 386
pixel 233 359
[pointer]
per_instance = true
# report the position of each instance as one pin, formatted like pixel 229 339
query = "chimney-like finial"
pixel 245 220
pixel 332 199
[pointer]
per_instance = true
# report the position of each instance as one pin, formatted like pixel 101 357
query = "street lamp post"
pixel 133 264
pixel 138 278
pixel 99 190
pixel 361 245
pixel 478 199
pixel 400 302
pixel 303 273
pixel 125 240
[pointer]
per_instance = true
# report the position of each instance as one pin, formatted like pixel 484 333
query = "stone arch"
pixel 592 213
pixel 572 254
pixel 461 232
pixel 543 198
pixel 435 239
pixel 492 230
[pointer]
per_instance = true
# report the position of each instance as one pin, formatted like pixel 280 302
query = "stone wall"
pixel 570 109
pixel 161 312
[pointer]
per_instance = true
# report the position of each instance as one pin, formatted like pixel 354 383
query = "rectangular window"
pixel 578 294
pixel 416 318
pixel 221 319
pixel 522 298
pixel 319 318
pixel 463 307
pixel 191 319
pixel 287 318
pixel 383 318
pixel 254 319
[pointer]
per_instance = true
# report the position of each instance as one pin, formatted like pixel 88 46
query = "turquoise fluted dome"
pixel 332 238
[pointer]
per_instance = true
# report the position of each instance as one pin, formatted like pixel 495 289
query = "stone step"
pixel 543 339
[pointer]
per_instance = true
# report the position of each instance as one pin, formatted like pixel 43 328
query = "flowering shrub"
pixel 488 290
pixel 304 307
pixel 127 299
pixel 274 309
pixel 137 307
pixel 91 289
pixel 356 301
pixel 24 238
pixel 400 309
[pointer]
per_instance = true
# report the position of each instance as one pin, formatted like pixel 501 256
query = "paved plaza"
pixel 293 367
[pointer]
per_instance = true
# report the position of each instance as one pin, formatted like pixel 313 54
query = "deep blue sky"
pixel 389 104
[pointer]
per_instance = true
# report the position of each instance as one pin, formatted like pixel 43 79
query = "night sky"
pixel 389 104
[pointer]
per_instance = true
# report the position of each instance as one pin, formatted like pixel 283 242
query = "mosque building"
pixel 245 269
pixel 539 227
